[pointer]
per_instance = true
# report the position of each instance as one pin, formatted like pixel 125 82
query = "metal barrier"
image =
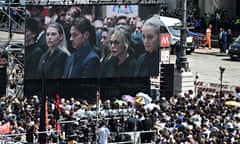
pixel 212 88
pixel 135 136
pixel 104 114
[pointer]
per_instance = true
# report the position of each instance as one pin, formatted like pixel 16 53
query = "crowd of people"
pixel 188 118
pixel 225 38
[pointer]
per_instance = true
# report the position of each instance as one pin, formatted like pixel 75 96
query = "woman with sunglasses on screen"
pixel 122 63
pixel 148 62
pixel 52 62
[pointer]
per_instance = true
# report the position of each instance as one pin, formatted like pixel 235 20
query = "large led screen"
pixel 81 50
pixel 91 41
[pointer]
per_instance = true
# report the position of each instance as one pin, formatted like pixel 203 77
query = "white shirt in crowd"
pixel 103 134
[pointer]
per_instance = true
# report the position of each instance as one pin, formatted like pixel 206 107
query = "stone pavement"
pixel 212 51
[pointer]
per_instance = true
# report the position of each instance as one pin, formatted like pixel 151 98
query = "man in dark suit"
pixel 84 62
pixel 33 53
pixel 224 41
pixel 41 37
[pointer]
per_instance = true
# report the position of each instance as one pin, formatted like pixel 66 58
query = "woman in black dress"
pixel 148 62
pixel 51 64
pixel 122 63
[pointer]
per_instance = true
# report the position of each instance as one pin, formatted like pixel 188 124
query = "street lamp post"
pixel 183 63
pixel 222 69
pixel 183 77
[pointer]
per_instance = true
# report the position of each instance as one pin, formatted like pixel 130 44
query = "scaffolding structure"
pixel 12 21
pixel 12 18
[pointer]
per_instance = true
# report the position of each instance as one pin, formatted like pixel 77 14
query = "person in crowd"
pixel 90 17
pixel 135 25
pixel 222 40
pixel 237 92
pixel 136 37
pixel 133 123
pixel 31 134
pixel 110 21
pixel 72 13
pixel 123 62
pixel 229 38
pixel 98 25
pixel 84 62
pixel 51 16
pixel 208 37
pixel 147 125
pixel 196 24
pixel 106 50
pixel 103 133
pixel 122 20
pixel 51 64
pixel 148 62
pixel 41 38
pixel 61 14
pixel 132 21
pixel 33 53
pixel 139 25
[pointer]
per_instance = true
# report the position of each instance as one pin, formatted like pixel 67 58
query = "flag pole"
pixel 57 111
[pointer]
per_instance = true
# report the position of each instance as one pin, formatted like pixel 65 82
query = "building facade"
pixel 196 7
pixel 209 6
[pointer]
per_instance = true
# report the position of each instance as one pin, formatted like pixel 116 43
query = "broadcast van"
pixel 172 26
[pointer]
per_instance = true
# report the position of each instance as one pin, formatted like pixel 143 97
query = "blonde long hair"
pixel 63 44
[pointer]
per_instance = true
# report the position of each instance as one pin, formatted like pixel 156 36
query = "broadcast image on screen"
pixel 83 50
pixel 113 47
pixel 90 41
pixel 90 62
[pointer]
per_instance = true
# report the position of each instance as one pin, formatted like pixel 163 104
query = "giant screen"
pixel 78 50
